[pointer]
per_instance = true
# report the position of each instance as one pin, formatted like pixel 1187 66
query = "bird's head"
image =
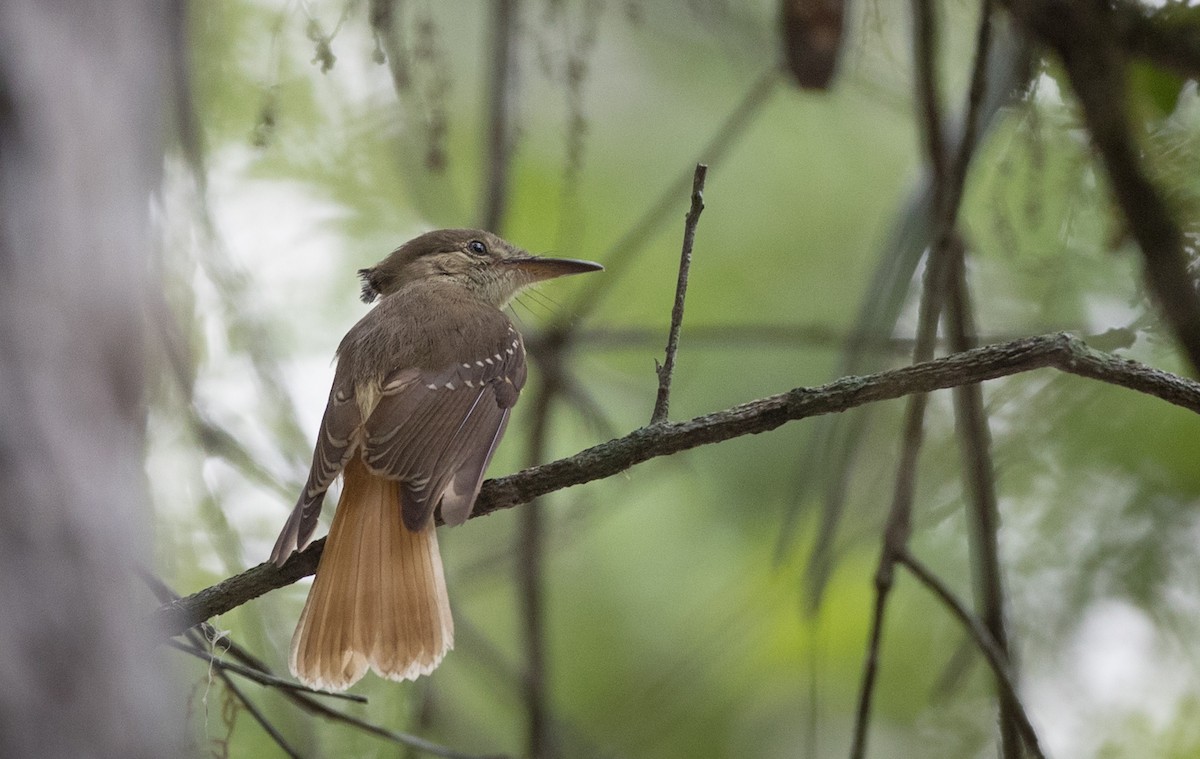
pixel 489 266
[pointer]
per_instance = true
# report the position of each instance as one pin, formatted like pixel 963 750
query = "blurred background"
pixel 714 603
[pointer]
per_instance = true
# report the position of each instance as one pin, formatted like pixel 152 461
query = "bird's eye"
pixel 476 247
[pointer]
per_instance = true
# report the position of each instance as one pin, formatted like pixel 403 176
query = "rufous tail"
pixel 379 597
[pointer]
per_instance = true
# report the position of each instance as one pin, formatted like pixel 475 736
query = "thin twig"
pixel 258 715
pixel 502 93
pixel 1060 351
pixel 195 645
pixel 928 99
pixel 253 669
pixel 827 459
pixel 403 739
pixel 299 695
pixel 980 483
pixel 899 521
pixel 969 412
pixel 947 187
pixel 667 369
pixel 992 652
pixel 262 678
pixel 530 550
pixel 957 179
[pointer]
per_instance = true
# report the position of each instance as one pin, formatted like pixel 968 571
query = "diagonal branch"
pixel 1060 351
pixel 1166 35
pixel 258 715
pixel 1086 38
pixel 996 657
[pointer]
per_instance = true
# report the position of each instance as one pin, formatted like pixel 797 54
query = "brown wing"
pixel 437 434
pixel 335 445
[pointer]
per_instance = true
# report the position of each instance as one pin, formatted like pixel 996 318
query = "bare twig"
pixel 944 254
pixel 258 716
pixel 928 99
pixel 827 461
pixel 972 420
pixel 208 634
pixel 957 179
pixel 980 485
pixel 531 550
pixel 262 678
pixel 196 646
pixel 402 739
pixel 899 521
pixel 302 696
pixel 996 658
pixel 667 368
pixel 295 692
pixel 1060 351
pixel 501 93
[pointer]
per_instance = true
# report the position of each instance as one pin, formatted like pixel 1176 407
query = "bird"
pixel 422 392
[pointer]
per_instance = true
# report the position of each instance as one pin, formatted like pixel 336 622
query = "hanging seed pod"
pixel 812 36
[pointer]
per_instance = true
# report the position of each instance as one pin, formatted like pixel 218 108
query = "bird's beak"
pixel 538 268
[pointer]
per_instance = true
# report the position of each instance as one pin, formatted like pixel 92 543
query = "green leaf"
pixel 1153 92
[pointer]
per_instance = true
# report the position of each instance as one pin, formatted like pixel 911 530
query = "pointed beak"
pixel 538 268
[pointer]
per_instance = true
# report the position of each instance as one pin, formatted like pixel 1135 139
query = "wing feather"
pixel 336 443
pixel 434 431
pixel 437 434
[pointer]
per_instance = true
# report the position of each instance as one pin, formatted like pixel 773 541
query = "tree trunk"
pixel 83 88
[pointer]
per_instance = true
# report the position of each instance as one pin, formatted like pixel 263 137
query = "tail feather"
pixel 379 597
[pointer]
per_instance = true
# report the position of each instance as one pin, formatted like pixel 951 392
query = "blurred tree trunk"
pixel 83 88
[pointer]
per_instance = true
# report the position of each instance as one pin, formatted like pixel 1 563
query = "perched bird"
pixel 423 389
